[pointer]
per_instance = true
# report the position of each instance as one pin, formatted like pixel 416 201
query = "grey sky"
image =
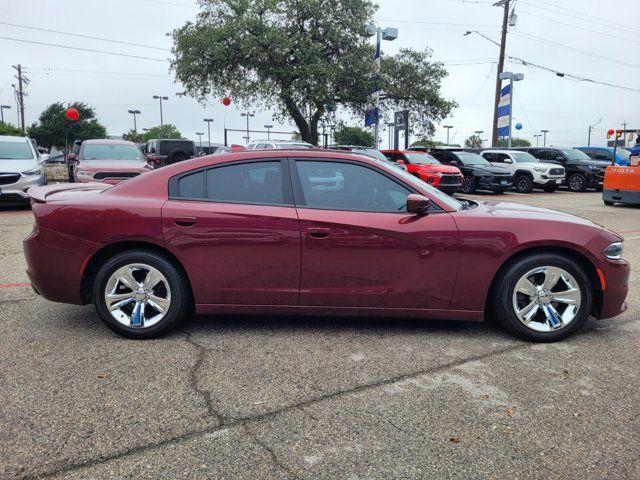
pixel 589 38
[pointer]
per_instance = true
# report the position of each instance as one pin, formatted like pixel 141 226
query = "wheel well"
pixel 574 255
pixel 105 253
pixel 523 172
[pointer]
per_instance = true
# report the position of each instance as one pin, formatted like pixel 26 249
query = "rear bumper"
pixel 630 197
pixel 616 276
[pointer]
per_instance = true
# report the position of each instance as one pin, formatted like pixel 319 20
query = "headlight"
pixel 613 251
pixel 540 169
pixel 84 174
pixel 35 171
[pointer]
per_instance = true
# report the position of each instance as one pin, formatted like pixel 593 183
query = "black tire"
pixel 176 155
pixel 550 188
pixel 468 184
pixel 180 303
pixel 523 184
pixel 598 188
pixel 609 203
pixel 577 182
pixel 502 296
pixel 498 191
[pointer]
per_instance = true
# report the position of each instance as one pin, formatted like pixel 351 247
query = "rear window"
pixel 15 151
pixel 420 158
pixel 93 151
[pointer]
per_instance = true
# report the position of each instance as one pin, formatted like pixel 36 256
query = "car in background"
pixel 446 178
pixel 606 154
pixel 478 173
pixel 167 151
pixel 20 169
pixel 581 172
pixel 107 161
pixel 368 151
pixel 150 251
pixel 528 172
pixel 279 144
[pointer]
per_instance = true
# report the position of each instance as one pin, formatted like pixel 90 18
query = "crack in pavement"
pixel 245 421
pixel 274 457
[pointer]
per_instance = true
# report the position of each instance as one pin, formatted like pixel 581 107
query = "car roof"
pixel 13 139
pixel 107 141
pixel 598 147
pixel 419 152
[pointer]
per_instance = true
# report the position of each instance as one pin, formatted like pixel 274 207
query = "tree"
pixel 55 130
pixel 474 141
pixel 353 136
pixel 132 136
pixel 515 142
pixel 165 131
pixel 301 58
pixel 426 142
pixel 8 129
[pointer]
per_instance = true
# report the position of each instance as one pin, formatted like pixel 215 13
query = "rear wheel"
pixel 140 294
pixel 544 297
pixel 523 184
pixel 577 182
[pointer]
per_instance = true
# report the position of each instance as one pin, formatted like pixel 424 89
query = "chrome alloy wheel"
pixel 137 295
pixel 546 299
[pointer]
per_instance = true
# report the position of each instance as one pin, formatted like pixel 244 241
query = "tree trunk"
pixel 308 131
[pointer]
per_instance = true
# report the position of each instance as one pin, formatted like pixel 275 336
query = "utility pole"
pixel 503 43
pixel 591 128
pixel 21 81
pixel 448 127
pixel 624 136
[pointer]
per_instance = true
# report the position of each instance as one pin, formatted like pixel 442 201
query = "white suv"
pixel 278 144
pixel 528 172
pixel 21 167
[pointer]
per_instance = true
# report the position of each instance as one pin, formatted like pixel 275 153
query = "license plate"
pixel 503 182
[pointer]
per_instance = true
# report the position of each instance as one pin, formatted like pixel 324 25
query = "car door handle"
pixel 318 232
pixel 184 221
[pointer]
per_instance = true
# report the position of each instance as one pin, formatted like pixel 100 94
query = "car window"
pixel 345 186
pixel 192 186
pixel 501 157
pixel 489 156
pixel 15 151
pixel 259 182
pixel 96 151
pixel 468 158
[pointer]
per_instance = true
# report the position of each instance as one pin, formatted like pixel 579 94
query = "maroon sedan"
pixel 315 233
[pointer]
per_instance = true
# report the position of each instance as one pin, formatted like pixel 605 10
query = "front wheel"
pixel 543 297
pixel 140 294
pixel 577 182
pixel 523 184
pixel 468 184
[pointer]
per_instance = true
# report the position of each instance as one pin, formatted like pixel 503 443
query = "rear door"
pixel 236 231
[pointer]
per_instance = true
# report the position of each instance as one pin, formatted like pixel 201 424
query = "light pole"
pixel 448 127
pixel 512 77
pixel 478 132
pixel 537 137
pixel 268 127
pixel 590 128
pixel 135 125
pixel 248 115
pixel 389 34
pixel 2 107
pixel 544 137
pixel 160 97
pixel 209 120
pixel 200 139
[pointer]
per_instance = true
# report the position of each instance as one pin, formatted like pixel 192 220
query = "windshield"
pixel 371 152
pixel 15 151
pixel 623 153
pixel 420 158
pixel 96 151
pixel 524 157
pixel 573 154
pixel 468 158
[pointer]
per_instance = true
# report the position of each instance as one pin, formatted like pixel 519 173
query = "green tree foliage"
pixel 300 56
pixel 8 129
pixel 53 128
pixel 427 142
pixel 515 142
pixel 132 136
pixel 165 131
pixel 474 141
pixel 353 136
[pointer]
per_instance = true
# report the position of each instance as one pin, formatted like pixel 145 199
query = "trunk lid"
pixel 62 191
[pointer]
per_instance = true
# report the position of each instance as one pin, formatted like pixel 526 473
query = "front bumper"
pixel 494 183
pixel 16 193
pixel 616 278
pixel 595 179
pixel 545 180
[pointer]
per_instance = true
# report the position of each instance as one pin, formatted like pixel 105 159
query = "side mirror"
pixel 400 162
pixel 72 157
pixel 507 160
pixel 417 204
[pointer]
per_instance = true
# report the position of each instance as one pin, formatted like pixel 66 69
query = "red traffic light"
pixel 226 101
pixel 72 114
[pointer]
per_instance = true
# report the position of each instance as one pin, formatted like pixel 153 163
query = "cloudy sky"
pixel 585 38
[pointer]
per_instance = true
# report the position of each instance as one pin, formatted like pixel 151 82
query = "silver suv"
pixel 21 167
pixel 528 172
pixel 278 144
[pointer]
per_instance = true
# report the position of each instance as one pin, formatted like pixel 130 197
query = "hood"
pixel 547 165
pixel 432 167
pixel 527 212
pixel 597 163
pixel 490 169
pixel 17 166
pixel 114 165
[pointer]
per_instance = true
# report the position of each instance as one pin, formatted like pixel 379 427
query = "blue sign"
pixel 504 109
pixel 371 117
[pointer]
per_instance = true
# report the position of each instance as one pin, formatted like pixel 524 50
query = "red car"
pixel 315 233
pixel 444 177
pixel 108 161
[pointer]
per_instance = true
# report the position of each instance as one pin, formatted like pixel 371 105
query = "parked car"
pixel 478 173
pixel 279 144
pixel 20 168
pixel 108 161
pixel 166 151
pixel 606 154
pixel 443 177
pixel 580 171
pixel 148 251
pixel 528 172
pixel 368 151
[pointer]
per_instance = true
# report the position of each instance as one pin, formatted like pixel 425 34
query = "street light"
pixel 537 137
pixel 268 127
pixel 200 139
pixel 512 77
pixel 248 115
pixel 590 128
pixel 478 132
pixel 2 107
pixel 544 139
pixel 135 125
pixel 160 97
pixel 448 127
pixel 209 120
pixel 389 34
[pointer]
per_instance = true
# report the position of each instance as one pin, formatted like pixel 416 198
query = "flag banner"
pixel 371 117
pixel 504 108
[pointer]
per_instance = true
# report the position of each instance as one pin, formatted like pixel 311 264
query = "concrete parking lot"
pixel 250 397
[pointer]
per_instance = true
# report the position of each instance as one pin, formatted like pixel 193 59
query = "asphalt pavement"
pixel 277 397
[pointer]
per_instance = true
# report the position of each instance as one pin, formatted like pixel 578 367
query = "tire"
pixel 523 184
pixel 609 203
pixel 171 291
pixel 598 188
pixel 468 184
pixel 577 182
pixel 176 155
pixel 550 188
pixel 498 192
pixel 540 327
